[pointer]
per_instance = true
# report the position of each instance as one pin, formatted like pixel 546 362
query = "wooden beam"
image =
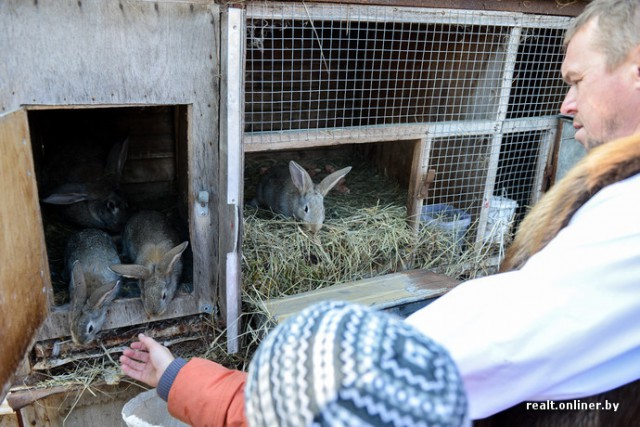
pixel 271 141
pixel 19 399
pixel 52 353
pixel 426 184
pixel 543 7
pixel 415 201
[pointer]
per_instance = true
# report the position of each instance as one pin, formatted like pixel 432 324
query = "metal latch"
pixel 202 206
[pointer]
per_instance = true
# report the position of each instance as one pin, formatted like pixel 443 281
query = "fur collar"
pixel 602 166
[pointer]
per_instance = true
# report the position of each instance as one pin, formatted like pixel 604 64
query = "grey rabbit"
pixel 93 285
pixel 292 193
pixel 93 201
pixel 152 244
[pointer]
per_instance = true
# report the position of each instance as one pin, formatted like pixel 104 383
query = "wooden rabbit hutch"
pixel 454 103
pixel 457 106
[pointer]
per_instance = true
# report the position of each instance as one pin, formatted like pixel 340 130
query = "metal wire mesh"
pixel 483 87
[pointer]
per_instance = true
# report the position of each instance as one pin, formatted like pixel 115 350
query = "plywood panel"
pixel 24 275
pixel 108 52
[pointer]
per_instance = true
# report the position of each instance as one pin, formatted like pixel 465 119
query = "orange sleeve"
pixel 205 393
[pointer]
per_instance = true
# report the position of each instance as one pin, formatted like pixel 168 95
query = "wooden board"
pixel 9 419
pixel 379 292
pixel 24 276
pixel 547 7
pixel 99 405
pixel 122 312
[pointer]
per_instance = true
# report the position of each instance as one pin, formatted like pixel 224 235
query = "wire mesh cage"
pixel 481 88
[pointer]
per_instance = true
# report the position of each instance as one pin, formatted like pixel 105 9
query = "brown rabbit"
pixel 152 244
pixel 291 192
pixel 93 285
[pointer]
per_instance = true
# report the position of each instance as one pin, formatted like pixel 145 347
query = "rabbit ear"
pixel 300 178
pixel 331 180
pixel 74 192
pixel 134 271
pixel 115 161
pixel 66 198
pixel 103 296
pixel 78 287
pixel 170 258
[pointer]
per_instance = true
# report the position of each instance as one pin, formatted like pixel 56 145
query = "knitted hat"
pixel 339 364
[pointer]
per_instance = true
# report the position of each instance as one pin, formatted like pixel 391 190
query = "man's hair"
pixel 618 27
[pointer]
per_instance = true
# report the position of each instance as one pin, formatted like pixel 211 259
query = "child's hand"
pixel 146 360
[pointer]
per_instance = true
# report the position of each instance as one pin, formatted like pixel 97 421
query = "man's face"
pixel 604 103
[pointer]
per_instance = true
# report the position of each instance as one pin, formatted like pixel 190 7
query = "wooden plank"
pixel 432 13
pixel 9 420
pixel 25 282
pixel 182 119
pixel 544 164
pixel 121 312
pixel 546 7
pixel 379 292
pixel 267 141
pixel 110 52
pixel 53 353
pixel 416 182
pixel 230 174
pixel 99 405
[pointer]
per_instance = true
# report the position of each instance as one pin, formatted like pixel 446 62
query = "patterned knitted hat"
pixel 339 364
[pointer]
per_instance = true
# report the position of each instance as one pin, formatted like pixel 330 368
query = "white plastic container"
pixel 447 218
pixel 148 410
pixel 499 219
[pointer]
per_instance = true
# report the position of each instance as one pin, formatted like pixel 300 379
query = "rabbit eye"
pixel 164 296
pixel 90 328
pixel 306 208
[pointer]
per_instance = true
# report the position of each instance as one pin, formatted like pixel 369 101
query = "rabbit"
pixel 293 193
pixel 91 199
pixel 152 244
pixel 93 285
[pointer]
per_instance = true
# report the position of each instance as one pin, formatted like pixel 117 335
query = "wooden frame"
pixel 490 123
pixel 114 56
pixel 127 312
pixel 24 278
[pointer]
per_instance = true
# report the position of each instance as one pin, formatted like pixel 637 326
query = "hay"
pixel 84 373
pixel 365 234
pixel 281 259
